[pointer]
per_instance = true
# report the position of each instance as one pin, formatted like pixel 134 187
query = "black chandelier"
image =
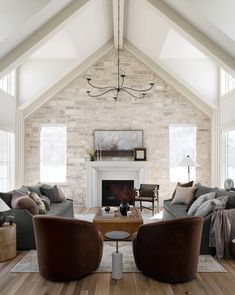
pixel 136 93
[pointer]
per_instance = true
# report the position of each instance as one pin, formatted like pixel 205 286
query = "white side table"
pixel 117 256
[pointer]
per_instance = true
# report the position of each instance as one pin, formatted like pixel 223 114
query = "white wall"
pixel 7 111
pixel 227 111
pixel 13 13
pixel 200 74
pixel 36 75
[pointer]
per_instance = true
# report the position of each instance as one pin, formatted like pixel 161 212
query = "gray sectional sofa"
pixel 23 220
pixel 171 211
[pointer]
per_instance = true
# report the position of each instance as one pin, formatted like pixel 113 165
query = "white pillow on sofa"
pixel 193 209
pixel 183 195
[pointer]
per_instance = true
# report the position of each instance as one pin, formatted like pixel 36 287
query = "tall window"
pixel 182 140
pixel 7 172
pixel 7 83
pixel 53 153
pixel 231 154
pixel 227 82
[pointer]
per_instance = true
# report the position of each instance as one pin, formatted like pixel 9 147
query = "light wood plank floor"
pixel 102 283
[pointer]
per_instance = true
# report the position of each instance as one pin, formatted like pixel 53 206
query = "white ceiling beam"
pixel 65 78
pixel 18 55
pixel 196 37
pixel 198 101
pixel 115 23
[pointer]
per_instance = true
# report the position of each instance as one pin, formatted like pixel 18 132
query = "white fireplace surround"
pixel 112 170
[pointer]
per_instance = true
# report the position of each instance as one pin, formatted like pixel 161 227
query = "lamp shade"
pixel 3 206
pixel 187 162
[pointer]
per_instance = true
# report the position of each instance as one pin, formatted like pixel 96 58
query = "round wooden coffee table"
pixel 117 256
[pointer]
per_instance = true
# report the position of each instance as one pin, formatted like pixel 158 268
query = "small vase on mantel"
pixel 124 207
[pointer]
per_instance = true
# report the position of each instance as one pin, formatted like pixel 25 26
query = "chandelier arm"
pixel 135 96
pixel 139 90
pixel 123 78
pixel 97 95
pixel 98 87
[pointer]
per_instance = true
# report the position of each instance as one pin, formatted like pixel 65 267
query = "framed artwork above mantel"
pixel 118 143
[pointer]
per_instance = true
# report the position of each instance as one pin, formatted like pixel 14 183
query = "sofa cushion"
pixel 59 209
pixel 6 197
pixel 21 200
pixel 183 195
pixel 203 198
pixel 187 184
pixel 52 193
pixel 176 210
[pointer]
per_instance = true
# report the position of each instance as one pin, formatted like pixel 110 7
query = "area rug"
pixel 29 262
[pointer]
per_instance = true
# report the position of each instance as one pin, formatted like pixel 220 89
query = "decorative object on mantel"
pixel 125 194
pixel 92 154
pixel 117 143
pixel 134 92
pixel 188 162
pixel 140 154
pixel 3 208
pixel 228 184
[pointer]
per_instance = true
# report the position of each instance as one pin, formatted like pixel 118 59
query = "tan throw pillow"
pixel 22 201
pixel 61 193
pixel 183 195
pixel 187 184
pixel 38 202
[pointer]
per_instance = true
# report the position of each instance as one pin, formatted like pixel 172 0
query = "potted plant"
pixel 125 194
pixel 92 154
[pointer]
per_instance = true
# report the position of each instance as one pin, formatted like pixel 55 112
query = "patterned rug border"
pixel 28 263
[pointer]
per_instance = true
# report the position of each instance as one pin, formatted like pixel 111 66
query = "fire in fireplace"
pixel 108 198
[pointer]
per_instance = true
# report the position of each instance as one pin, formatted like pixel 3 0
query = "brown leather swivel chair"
pixel 168 251
pixel 67 248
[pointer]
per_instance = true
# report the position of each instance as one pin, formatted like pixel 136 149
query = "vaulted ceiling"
pixel 184 41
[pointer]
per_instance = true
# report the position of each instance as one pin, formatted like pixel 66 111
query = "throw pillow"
pixel 188 184
pixel 183 195
pixel 22 201
pixel 6 197
pixel 38 202
pixel 193 209
pixel 61 193
pixel 190 203
pixel 52 194
pixel 46 202
pixel 202 190
pixel 211 205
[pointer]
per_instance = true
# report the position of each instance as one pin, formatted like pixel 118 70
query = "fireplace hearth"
pixel 107 194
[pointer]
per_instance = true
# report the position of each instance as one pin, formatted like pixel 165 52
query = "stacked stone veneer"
pixel 82 115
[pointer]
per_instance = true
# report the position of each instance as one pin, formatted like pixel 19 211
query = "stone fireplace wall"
pixel 82 115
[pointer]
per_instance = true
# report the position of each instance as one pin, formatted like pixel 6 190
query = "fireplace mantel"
pixel 113 170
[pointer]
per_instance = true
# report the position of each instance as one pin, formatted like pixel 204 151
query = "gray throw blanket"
pixel 222 231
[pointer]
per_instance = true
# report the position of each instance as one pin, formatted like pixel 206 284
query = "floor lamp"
pixel 188 162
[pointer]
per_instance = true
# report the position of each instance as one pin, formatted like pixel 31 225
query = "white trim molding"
pixel 19 149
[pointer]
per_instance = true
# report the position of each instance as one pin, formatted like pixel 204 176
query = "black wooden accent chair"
pixel 147 193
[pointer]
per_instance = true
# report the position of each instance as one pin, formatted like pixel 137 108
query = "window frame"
pixel 193 156
pixel 43 179
pixel 10 162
